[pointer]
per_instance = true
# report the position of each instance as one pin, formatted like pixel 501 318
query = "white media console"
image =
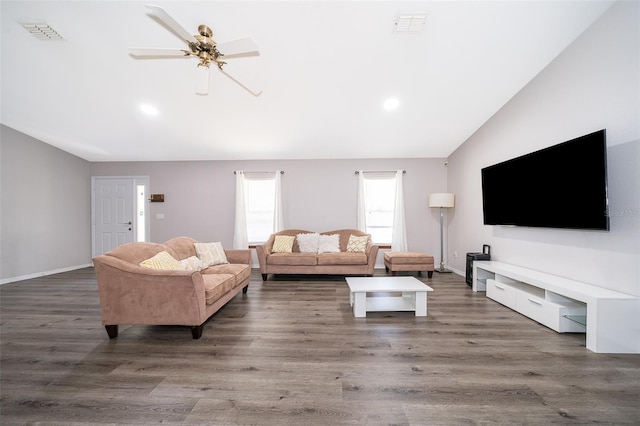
pixel 610 319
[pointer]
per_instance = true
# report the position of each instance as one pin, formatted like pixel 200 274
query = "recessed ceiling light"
pixel 391 103
pixel 149 109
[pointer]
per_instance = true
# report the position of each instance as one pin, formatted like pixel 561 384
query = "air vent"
pixel 410 22
pixel 41 31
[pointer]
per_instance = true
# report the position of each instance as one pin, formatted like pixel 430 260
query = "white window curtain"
pixel 240 234
pixel 278 219
pixel 240 239
pixel 361 218
pixel 399 236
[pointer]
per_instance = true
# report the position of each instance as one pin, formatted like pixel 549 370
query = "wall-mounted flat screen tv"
pixel 562 186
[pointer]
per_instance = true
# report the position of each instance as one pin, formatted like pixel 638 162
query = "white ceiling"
pixel 325 68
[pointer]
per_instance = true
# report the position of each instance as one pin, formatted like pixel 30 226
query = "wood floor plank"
pixel 290 352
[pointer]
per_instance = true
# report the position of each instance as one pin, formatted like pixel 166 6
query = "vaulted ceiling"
pixel 325 69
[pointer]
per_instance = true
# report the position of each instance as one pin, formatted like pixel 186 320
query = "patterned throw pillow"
pixel 357 244
pixel 193 263
pixel 163 261
pixel 283 244
pixel 211 253
pixel 329 243
pixel 308 243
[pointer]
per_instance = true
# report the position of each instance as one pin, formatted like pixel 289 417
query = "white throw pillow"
pixel 162 261
pixel 308 243
pixel 211 253
pixel 193 263
pixel 329 243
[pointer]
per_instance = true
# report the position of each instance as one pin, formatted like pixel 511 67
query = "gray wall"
pixel 594 84
pixel 46 200
pixel 45 208
pixel 318 195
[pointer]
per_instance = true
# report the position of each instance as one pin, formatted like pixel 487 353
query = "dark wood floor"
pixel 291 352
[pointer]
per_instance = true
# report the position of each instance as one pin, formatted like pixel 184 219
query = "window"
pixel 260 206
pixel 380 195
pixel 380 210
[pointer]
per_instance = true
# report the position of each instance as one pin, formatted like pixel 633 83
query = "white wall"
pixel 45 208
pixel 594 84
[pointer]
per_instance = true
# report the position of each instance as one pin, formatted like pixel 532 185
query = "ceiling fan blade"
pixel 152 51
pixel 162 15
pixel 243 81
pixel 237 47
pixel 202 81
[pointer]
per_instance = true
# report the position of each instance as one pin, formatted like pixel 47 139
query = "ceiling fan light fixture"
pixel 202 80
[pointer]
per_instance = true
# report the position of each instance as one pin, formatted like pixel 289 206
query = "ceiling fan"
pixel 203 47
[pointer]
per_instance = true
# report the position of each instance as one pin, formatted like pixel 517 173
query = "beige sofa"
pixel 340 263
pixel 132 294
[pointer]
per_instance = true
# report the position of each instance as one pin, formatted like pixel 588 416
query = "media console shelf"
pixel 610 319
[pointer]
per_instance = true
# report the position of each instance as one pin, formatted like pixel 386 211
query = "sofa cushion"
pixel 308 243
pixel 211 253
pixel 329 243
pixel 216 285
pixel 303 259
pixel 163 261
pixel 357 244
pixel 283 244
pixel 193 263
pixel 239 271
pixel 342 258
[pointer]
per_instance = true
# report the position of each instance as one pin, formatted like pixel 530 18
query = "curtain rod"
pixel 379 171
pixel 281 172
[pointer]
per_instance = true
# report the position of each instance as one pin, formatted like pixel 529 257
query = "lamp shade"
pixel 441 199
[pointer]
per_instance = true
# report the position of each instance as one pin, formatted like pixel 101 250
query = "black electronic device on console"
pixel 485 255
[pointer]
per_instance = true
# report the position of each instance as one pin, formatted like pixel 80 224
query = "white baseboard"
pixel 42 274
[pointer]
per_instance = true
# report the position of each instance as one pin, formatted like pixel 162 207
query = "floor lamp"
pixel 441 200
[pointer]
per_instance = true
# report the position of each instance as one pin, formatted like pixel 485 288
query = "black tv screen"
pixel 563 186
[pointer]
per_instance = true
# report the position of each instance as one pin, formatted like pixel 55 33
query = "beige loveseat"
pixel 132 294
pixel 341 262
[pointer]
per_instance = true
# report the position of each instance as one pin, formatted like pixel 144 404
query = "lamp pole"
pixel 442 200
pixel 442 269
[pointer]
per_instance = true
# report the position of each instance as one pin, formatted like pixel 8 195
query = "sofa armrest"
pixel 372 255
pixel 261 254
pixel 241 256
pixel 130 294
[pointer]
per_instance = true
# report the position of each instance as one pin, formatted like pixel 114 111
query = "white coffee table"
pixel 413 298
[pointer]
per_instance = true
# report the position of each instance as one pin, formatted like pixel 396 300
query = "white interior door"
pixel 113 212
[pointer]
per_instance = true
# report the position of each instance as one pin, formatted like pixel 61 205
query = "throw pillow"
pixel 357 244
pixel 329 243
pixel 211 253
pixel 193 263
pixel 308 243
pixel 163 261
pixel 283 244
